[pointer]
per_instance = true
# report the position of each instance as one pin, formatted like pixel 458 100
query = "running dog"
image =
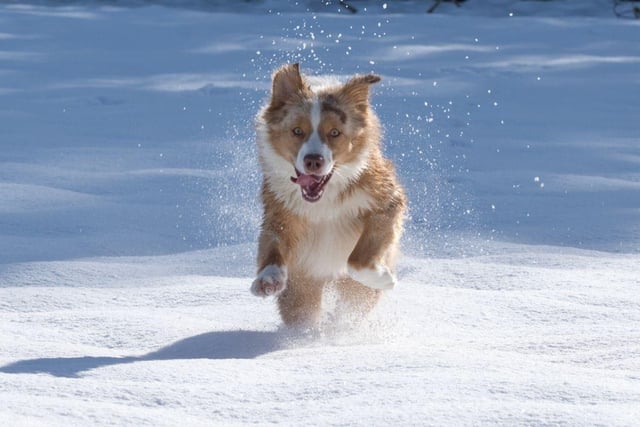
pixel 333 206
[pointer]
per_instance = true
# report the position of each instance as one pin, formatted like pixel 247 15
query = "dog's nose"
pixel 313 163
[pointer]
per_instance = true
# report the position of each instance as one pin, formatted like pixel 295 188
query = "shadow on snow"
pixel 212 345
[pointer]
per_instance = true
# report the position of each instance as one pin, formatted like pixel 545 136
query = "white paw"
pixel 270 281
pixel 378 278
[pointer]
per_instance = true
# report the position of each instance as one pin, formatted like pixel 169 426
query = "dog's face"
pixel 319 133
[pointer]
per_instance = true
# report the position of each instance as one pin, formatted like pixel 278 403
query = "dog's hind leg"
pixel 355 299
pixel 300 303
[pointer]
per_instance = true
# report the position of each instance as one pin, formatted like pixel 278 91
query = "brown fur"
pixel 357 224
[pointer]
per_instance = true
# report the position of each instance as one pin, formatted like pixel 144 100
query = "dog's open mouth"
pixel 312 186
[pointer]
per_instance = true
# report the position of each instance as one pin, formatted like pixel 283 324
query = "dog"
pixel 333 205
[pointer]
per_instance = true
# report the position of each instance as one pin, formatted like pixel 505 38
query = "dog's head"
pixel 320 131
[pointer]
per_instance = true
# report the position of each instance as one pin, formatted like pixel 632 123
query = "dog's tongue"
pixel 312 186
pixel 306 180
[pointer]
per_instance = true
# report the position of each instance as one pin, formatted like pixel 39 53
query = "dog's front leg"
pixel 272 267
pixel 271 280
pixel 371 261
pixel 277 240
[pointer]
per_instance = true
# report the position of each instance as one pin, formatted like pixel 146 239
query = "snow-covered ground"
pixel 128 216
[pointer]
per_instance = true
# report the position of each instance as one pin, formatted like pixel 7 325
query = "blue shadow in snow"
pixel 212 345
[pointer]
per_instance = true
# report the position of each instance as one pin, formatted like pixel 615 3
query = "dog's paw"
pixel 375 278
pixel 270 281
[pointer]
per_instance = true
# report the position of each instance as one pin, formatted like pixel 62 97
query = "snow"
pixel 129 214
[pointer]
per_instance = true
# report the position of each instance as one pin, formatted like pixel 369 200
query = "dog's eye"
pixel 297 131
pixel 334 133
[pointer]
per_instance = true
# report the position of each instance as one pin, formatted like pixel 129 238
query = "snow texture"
pixel 129 216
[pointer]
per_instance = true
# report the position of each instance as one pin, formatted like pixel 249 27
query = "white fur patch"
pixel 315 113
pixel 323 251
pixel 270 281
pixel 348 173
pixel 378 278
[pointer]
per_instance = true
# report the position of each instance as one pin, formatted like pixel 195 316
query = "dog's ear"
pixel 287 84
pixel 356 90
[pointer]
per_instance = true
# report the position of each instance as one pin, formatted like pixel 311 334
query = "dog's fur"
pixel 340 219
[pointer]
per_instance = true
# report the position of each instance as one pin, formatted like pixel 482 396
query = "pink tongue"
pixel 306 180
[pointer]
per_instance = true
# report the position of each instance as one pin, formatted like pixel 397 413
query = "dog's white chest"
pixel 323 250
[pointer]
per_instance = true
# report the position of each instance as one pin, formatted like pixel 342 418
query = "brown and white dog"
pixel 333 207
